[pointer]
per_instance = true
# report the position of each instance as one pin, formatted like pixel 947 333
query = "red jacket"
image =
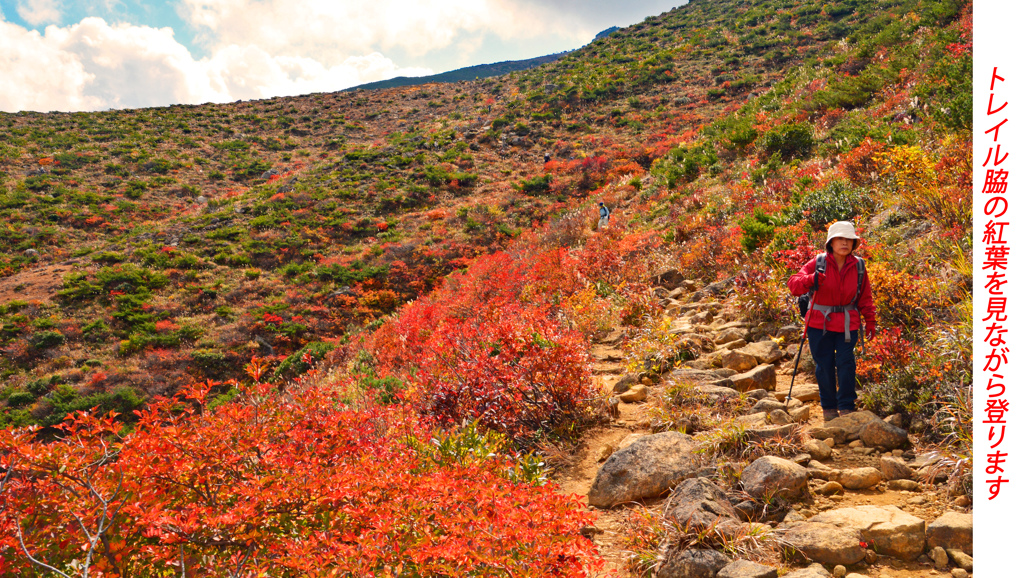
pixel 835 288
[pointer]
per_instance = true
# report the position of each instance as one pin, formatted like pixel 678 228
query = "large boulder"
pixel 699 504
pixel 893 531
pixel 881 434
pixel 764 351
pixel 692 563
pixel 825 543
pixel 952 530
pixel 761 377
pixel 770 476
pixel 648 468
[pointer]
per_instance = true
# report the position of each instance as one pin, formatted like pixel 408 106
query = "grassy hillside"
pixel 147 248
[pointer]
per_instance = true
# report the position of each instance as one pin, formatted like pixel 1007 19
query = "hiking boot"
pixel 843 412
pixel 830 414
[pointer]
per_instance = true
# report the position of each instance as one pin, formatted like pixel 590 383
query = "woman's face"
pixel 842 247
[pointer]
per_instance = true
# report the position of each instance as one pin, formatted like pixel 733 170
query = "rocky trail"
pixel 855 496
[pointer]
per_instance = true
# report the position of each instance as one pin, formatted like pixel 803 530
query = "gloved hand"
pixel 869 333
pixel 818 276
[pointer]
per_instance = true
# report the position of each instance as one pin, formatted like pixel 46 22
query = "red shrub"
pixel 278 486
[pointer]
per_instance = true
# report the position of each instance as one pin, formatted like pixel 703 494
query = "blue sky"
pixel 98 54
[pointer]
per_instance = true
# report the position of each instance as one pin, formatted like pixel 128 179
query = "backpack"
pixel 804 301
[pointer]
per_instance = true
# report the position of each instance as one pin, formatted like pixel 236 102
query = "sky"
pixel 85 55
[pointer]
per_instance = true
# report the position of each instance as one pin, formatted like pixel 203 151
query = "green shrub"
pixel 536 186
pixel 684 163
pixel 758 231
pixel 293 365
pixel 46 339
pixel 837 201
pixel 791 140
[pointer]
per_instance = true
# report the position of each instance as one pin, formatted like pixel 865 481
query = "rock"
pixel 669 279
pixel 856 444
pixel 839 571
pixel 894 419
pixel 732 334
pixel 961 559
pixel 831 489
pixel 761 377
pixel 30 253
pixel 772 476
pixel 962 501
pixel 959 573
pixel 779 417
pixel 905 485
pixel 627 381
pixel 895 469
pixel 790 332
pixel 818 449
pixel 697 376
pixel 825 543
pixel 628 441
pixel 648 468
pixel 853 423
pixel 859 478
pixel 758 394
pixel 767 405
pixel 739 362
pixel 636 394
pixel 952 530
pixel 692 563
pixel 753 419
pixel 879 434
pixel 938 555
pixel 699 503
pixel 725 372
pixel 802 413
pixel 813 571
pixel 827 432
pixel 717 392
pixel 771 431
pixel 747 569
pixel 802 391
pixel 893 531
pixel 201 200
pixel 733 345
pixel 764 351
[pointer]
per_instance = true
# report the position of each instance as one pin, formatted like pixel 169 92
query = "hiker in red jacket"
pixel 841 300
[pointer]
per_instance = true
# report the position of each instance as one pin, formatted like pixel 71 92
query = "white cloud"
pixel 332 30
pixel 37 12
pixel 93 65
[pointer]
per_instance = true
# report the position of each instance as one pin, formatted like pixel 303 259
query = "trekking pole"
pixel 799 350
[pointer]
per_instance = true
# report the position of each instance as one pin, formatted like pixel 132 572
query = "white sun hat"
pixel 842 229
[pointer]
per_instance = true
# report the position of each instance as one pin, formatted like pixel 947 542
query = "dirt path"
pixel 635 418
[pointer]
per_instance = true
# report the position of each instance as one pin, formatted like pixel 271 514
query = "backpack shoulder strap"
pixel 862 272
pixel 820 263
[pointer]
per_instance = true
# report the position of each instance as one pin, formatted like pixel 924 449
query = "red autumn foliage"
pixel 276 486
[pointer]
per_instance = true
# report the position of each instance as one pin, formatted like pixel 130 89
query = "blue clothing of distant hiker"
pixel 605 214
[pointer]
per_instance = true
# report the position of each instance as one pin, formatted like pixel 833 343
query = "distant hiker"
pixel 841 299
pixel 547 158
pixel 605 214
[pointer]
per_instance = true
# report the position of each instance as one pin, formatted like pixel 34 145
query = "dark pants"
pixel 836 368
